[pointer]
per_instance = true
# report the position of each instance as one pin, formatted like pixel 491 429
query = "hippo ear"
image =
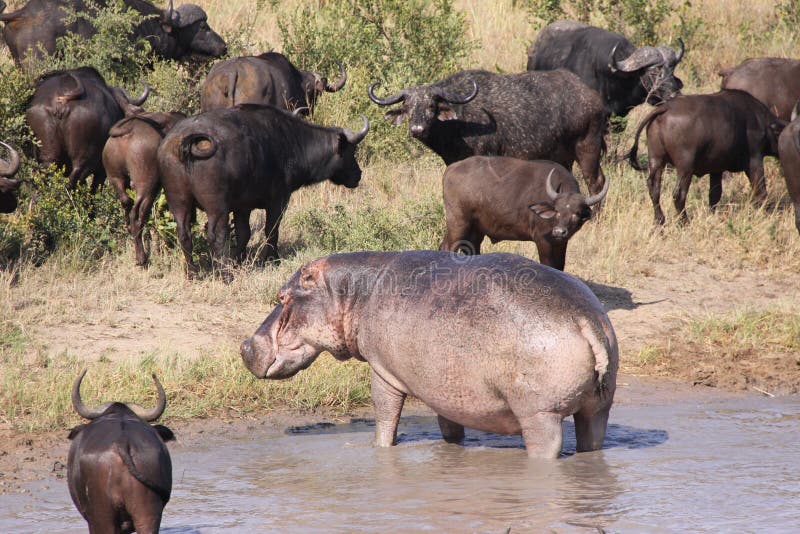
pixel 395 116
pixel 165 433
pixel 446 113
pixel 543 210
pixel 309 276
pixel 75 431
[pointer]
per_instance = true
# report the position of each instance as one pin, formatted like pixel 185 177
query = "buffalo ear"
pixel 75 431
pixel 543 210
pixel 166 27
pixel 446 113
pixel 165 433
pixel 396 116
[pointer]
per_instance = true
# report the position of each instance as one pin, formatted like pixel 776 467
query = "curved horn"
pixel 169 12
pixel 551 191
pixel 389 100
pixel 681 50
pixel 8 168
pixel 456 100
pixel 296 111
pixel 83 410
pixel 595 199
pixel 138 101
pixel 639 59
pixel 332 88
pixel 356 138
pixel 157 411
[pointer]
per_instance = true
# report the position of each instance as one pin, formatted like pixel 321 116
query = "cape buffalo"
pixel 507 198
pixel 789 150
pixel 532 115
pixel 774 81
pixel 244 158
pixel 8 186
pixel 70 113
pixel 496 342
pixel 707 134
pixel 269 78
pixel 625 76
pixel 171 33
pixel 118 470
pixel 129 159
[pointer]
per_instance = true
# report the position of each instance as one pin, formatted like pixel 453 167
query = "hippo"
pixel 495 342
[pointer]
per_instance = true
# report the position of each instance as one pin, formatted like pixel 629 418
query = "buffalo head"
pixel 566 211
pixel 188 26
pixel 142 413
pixel 8 186
pixel 344 166
pixel 422 105
pixel 314 84
pixel 655 68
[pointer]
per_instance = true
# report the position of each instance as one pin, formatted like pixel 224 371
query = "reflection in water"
pixel 690 465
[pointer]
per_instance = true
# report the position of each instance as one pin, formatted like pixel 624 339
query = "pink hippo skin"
pixel 494 342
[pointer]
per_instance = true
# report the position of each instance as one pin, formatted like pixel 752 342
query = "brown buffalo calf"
pixel 511 199
pixel 129 158
pixel 789 150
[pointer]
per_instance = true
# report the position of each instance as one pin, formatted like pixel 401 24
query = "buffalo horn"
pixel 8 168
pixel 551 191
pixel 456 100
pixel 595 199
pixel 296 111
pixel 83 410
pixel 139 101
pixel 645 56
pixel 157 411
pixel 168 14
pixel 795 111
pixel 681 50
pixel 356 138
pixel 389 100
pixel 332 88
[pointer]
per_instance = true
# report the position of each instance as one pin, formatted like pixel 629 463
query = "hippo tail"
pixel 633 157
pixel 601 346
pixel 127 459
pixel 196 146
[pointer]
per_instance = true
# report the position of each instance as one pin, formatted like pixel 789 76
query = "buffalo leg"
pixel 241 223
pixel 714 190
pixel 119 183
pixel 183 219
pixel 654 187
pixel 590 429
pixel 217 230
pixel 552 254
pixel 542 434
pixel 587 154
pixel 758 185
pixel 679 194
pixel 274 217
pixel 451 432
pixel 388 402
pixel 141 213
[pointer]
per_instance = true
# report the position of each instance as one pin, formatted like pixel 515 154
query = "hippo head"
pixel 566 211
pixel 655 68
pixel 307 321
pixel 189 27
pixel 343 166
pixel 423 105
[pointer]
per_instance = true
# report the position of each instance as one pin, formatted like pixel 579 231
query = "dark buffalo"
pixel 708 134
pixel 172 33
pixel 8 185
pixel 774 81
pixel 789 150
pixel 269 78
pixel 507 198
pixel 245 158
pixel 118 469
pixel 71 112
pixel 129 159
pixel 625 76
pixel 532 115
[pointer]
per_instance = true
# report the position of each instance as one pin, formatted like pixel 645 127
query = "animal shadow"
pixel 616 298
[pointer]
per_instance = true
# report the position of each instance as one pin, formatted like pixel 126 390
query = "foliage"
pixel 395 42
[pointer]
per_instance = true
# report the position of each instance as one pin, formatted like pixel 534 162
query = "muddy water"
pixel 673 462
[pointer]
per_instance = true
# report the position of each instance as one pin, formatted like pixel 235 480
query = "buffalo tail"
pixel 127 459
pixel 633 158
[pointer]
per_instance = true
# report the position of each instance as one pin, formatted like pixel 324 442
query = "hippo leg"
pixel 542 434
pixel 590 429
pixel 654 187
pixel 388 402
pixel 680 193
pixel 451 432
pixel 714 190
pixel 758 185
pixel 241 223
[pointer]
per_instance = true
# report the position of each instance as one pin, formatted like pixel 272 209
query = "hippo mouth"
pixel 288 363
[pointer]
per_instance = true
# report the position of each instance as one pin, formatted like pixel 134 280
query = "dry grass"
pixel 42 307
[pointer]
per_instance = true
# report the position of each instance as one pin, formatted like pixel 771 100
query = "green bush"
pixel 396 42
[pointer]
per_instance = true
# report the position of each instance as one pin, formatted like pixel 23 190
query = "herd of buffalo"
pixel 524 345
